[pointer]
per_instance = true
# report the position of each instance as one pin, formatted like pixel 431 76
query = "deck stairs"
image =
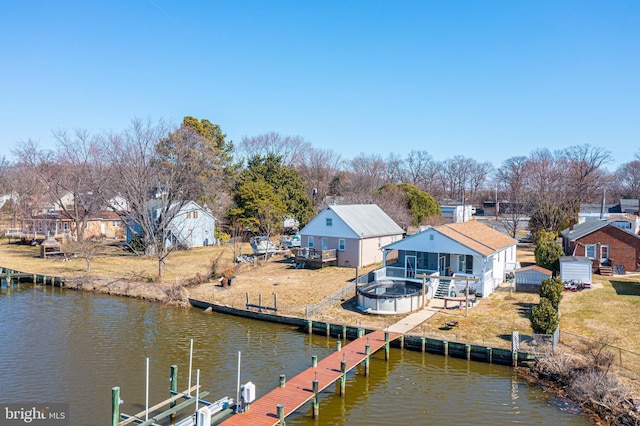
pixel 606 271
pixel 442 290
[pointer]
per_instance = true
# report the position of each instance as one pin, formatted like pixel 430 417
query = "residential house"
pixel 357 232
pixel 468 249
pixel 605 242
pixel 625 206
pixel 192 225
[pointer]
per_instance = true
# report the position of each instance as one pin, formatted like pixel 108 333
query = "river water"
pixel 62 346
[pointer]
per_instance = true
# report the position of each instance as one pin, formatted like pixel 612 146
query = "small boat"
pixel 289 242
pixel 262 245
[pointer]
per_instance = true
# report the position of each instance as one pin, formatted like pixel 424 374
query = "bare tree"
pixel 292 149
pixel 584 170
pixel 511 178
pixel 627 179
pixel 319 166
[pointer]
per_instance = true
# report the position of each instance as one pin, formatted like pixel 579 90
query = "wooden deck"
pixel 298 390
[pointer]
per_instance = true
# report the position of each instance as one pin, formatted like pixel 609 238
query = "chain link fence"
pixel 621 357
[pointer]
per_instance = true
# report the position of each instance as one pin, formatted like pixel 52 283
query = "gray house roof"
pixel 587 227
pixel 365 220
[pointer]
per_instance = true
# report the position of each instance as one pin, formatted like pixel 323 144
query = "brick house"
pixel 605 243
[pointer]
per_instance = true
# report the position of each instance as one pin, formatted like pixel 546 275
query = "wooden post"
pixel 310 326
pixel 316 399
pixel 467 349
pixel 328 327
pixel 174 387
pixel 367 351
pixel 489 355
pixel 424 291
pixel 260 302
pixel 360 332
pixel 338 345
pixel 35 278
pixel 402 342
pixel 343 379
pixel 280 411
pixel 283 380
pixel 386 346
pixel 115 405
pixel 247 293
pixel 344 332
pixel 275 302
pixel 314 361
pixel 445 346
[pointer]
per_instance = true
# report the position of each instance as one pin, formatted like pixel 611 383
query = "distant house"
pixel 626 206
pixel 468 249
pixel 607 243
pixel 357 232
pixel 192 225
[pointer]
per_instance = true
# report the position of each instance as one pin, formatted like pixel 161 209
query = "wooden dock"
pixel 299 390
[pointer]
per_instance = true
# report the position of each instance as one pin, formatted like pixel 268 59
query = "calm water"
pixel 73 347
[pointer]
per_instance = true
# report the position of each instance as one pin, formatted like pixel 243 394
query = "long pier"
pixel 276 405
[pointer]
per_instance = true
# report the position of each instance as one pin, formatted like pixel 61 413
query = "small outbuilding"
pixel 50 247
pixel 529 278
pixel 576 268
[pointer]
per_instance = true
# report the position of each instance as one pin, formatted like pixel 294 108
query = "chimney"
pixel 571 223
pixel 604 201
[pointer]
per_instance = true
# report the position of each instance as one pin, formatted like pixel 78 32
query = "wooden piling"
pixel 115 405
pixel 467 349
pixel 283 380
pixel 310 326
pixel 316 399
pixel 367 351
pixel 423 343
pixel 338 345
pixel 343 378
pixel 360 332
pixel 489 355
pixel 386 346
pixel 314 361
pixel 280 411
pixel 402 342
pixel 173 386
pixel 445 348
pixel 344 332
pixel 328 328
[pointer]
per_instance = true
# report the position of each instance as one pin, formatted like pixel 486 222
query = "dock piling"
pixel 115 405
pixel 283 380
pixel 314 361
pixel 280 411
pixel 316 399
pixel 173 386
pixel 386 346
pixel 367 351
pixel 343 378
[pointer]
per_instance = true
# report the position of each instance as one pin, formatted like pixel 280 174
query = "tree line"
pixel 255 183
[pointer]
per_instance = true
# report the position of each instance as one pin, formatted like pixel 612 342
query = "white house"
pixel 357 232
pixel 192 225
pixel 456 213
pixel 468 249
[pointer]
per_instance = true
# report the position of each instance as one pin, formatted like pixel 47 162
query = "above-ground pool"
pixel 390 296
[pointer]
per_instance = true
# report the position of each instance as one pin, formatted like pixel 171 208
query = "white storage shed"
pixel 576 268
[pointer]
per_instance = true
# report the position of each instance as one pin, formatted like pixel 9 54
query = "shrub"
pixel 544 317
pixel 547 254
pixel 551 289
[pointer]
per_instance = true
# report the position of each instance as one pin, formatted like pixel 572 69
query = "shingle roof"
pixel 588 227
pixel 478 237
pixel 367 220
pixel 534 268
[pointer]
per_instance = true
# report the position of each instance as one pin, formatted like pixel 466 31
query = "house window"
pixel 590 251
pixel 465 264
pixel 188 215
pixel 431 237
pixel 329 221
pixel 604 252
pixel 341 244
pixel 115 223
pixel 310 242
pixel 325 244
pixel 195 215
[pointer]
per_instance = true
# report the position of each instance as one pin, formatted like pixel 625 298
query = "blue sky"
pixel 483 79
